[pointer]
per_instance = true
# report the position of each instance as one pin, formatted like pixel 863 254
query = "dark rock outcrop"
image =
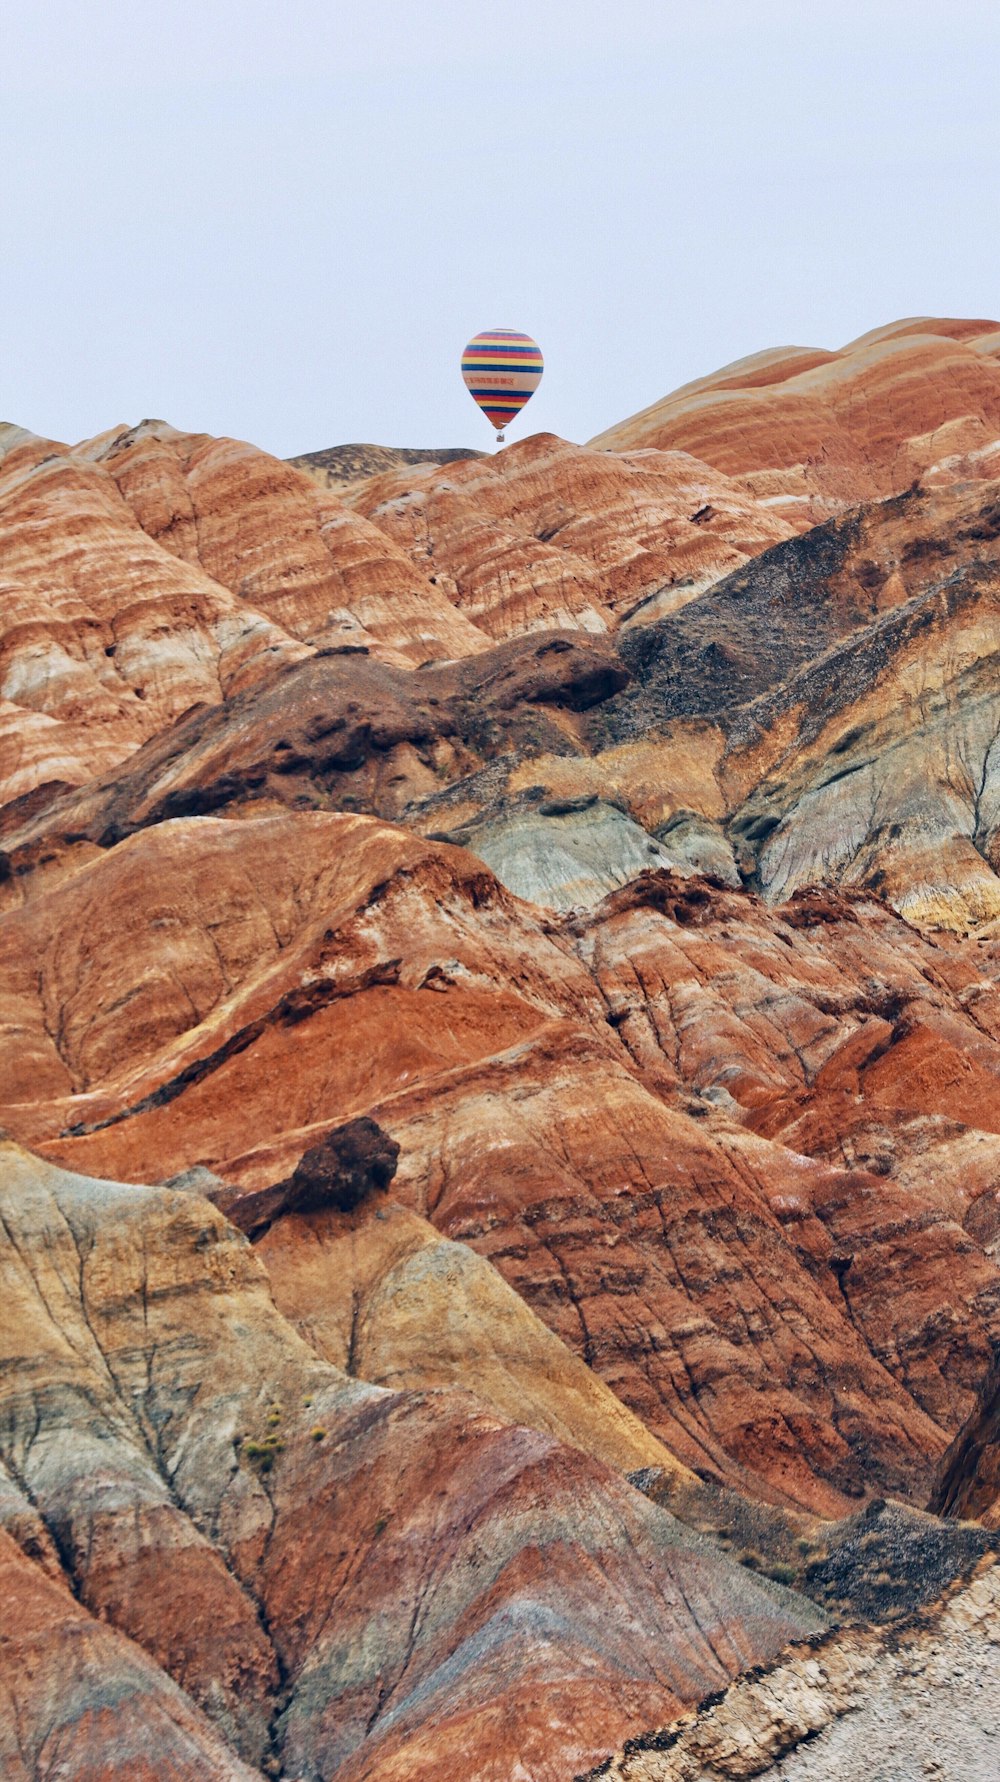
pixel 350 1163
pixel 968 1481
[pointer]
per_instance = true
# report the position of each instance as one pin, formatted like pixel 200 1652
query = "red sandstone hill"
pixel 500 1048
pixel 807 427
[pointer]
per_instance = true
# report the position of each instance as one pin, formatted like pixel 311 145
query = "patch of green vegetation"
pixel 262 1455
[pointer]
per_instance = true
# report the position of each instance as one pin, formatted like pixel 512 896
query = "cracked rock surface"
pixel 250 1561
pixel 853 1706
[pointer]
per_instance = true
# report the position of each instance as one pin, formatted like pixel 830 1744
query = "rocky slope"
pixel 80 1699
pixel 551 534
pixel 357 1580
pixel 169 1006
pixel 924 1703
pixel 339 467
pixel 858 748
pixel 811 429
pixel 968 1482
pixel 602 843
pixel 147 571
pixel 386 1298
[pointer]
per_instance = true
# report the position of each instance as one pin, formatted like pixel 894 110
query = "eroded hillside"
pixel 499 1016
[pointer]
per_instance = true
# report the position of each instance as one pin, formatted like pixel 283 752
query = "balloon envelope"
pixel 502 369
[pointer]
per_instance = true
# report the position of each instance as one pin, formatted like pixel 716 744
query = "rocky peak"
pixel 548 902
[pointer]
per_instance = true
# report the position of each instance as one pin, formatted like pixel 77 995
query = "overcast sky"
pixel 282 219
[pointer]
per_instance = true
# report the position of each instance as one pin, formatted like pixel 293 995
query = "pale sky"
pixel 282 220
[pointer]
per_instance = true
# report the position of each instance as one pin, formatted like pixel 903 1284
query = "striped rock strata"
pixel 859 747
pixel 812 430
pixel 219 993
pixel 621 847
pixel 246 1563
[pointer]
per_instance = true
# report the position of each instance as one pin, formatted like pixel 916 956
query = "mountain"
pixel 925 1700
pixel 499 1016
pixel 340 466
pixel 814 429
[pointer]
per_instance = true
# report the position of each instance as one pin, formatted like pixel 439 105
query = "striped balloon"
pixel 502 369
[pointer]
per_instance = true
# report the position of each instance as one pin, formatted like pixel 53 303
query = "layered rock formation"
pixel 340 467
pixel 344 1579
pixel 78 1695
pixel 536 919
pixel 859 747
pixel 148 570
pixel 134 587
pixel 810 429
pixel 171 1005
pixel 386 1298
pixel 549 534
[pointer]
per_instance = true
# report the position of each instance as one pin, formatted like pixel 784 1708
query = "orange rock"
pixel 624 851
pixel 382 1295
pixel 78 1694
pixel 841 427
pixel 218 1489
pixel 730 1292
pixel 550 534
pixel 135 586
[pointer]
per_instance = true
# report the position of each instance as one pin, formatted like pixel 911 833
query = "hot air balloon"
pixel 502 369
